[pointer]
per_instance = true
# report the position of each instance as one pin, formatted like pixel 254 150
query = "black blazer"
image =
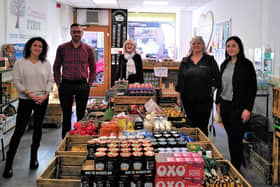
pixel 194 81
pixel 244 84
pixel 121 72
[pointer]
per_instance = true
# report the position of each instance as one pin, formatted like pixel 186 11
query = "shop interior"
pixel 162 31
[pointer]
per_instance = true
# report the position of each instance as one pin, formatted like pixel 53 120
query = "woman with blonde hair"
pixel 198 77
pixel 130 64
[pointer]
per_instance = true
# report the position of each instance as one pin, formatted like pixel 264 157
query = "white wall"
pixel 183 32
pixel 59 21
pixel 256 22
pixel 2 23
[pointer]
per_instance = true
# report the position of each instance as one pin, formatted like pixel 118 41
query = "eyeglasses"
pixel 76 32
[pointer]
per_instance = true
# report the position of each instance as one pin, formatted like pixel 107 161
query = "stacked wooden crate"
pixel 53 113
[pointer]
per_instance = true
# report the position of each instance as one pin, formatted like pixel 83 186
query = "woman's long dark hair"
pixel 241 54
pixel 27 48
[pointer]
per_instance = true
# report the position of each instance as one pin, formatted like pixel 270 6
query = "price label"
pixel 161 71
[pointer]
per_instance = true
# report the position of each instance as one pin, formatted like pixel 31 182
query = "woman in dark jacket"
pixel 236 97
pixel 198 77
pixel 130 64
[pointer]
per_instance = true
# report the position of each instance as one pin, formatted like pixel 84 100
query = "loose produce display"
pixel 144 149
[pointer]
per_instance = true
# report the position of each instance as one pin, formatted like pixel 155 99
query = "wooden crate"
pixel 62 171
pixel 262 167
pixel 132 99
pixel 233 172
pixel 276 102
pixel 209 146
pixel 53 114
pixel 194 133
pixel 73 145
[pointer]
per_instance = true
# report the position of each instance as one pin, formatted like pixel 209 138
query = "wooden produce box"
pixel 62 171
pixel 53 113
pixel 194 133
pixel 209 146
pixel 276 102
pixel 121 102
pixel 233 172
pixel 73 145
pixel 133 99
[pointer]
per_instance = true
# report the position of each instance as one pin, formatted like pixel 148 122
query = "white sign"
pixel 26 19
pixel 161 71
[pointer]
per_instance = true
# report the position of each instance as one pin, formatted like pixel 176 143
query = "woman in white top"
pixel 33 78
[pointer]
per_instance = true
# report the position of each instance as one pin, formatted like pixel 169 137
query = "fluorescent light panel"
pixel 112 2
pixel 155 3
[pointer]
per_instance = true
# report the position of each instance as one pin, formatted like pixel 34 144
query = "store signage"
pixel 161 71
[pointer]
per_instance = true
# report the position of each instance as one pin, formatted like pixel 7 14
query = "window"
pixel 154 34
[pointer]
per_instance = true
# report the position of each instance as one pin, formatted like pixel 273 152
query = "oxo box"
pixel 174 182
pixel 169 166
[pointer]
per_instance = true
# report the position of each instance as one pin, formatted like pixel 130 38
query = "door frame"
pixel 100 89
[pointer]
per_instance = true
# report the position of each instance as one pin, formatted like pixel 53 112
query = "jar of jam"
pixel 124 181
pixel 114 150
pixel 137 149
pixel 125 161
pixel 113 145
pixel 99 161
pixel 148 149
pixel 112 161
pixel 91 148
pixel 137 161
pixel 127 149
pixel 162 144
pixel 136 145
pixel 101 149
pixel 150 160
pixel 125 145
pixel 158 135
pixel 172 144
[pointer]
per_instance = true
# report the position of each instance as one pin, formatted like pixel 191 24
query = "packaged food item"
pixel 125 161
pixel 137 161
pixel 100 158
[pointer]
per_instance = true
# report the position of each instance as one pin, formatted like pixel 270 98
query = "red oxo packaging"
pixel 174 182
pixel 169 166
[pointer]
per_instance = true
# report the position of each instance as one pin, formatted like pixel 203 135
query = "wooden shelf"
pixel 152 67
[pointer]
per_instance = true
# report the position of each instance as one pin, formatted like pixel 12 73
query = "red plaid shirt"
pixel 77 63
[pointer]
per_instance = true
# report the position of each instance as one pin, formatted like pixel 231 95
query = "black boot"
pixel 8 171
pixel 34 164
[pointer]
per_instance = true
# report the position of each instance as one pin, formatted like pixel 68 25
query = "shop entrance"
pixel 98 38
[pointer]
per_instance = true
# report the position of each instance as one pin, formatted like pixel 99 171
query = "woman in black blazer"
pixel 130 64
pixel 235 98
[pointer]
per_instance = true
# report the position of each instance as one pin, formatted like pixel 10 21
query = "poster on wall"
pixel 222 32
pixel 267 60
pixel 205 27
pixel 26 19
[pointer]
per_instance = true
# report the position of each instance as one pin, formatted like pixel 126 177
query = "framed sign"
pixel 26 19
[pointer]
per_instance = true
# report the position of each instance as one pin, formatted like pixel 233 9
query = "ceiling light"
pixel 105 1
pixel 155 3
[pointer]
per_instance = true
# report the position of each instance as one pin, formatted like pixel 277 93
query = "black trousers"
pixel 25 108
pixel 69 90
pixel 231 118
pixel 198 112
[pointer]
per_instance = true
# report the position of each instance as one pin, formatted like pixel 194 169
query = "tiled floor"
pixel 24 177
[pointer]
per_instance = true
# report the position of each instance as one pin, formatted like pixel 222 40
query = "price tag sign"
pixel 161 71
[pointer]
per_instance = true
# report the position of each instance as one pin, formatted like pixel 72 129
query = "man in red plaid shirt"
pixel 74 73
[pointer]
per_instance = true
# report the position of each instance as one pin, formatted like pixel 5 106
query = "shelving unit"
pixel 7 126
pixel 165 84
